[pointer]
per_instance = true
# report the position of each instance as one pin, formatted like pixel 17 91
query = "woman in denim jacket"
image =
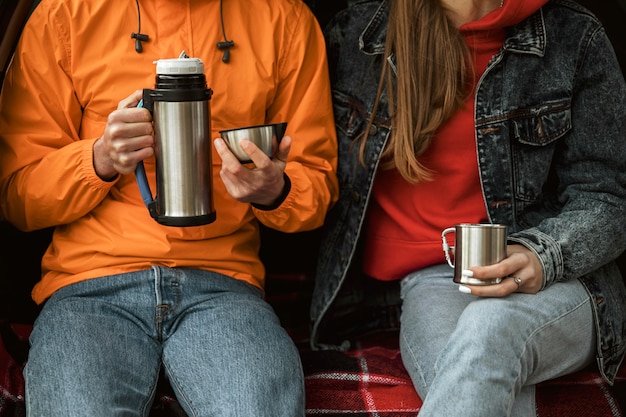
pixel 478 111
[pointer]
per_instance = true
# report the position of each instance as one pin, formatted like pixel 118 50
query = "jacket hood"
pixel 510 14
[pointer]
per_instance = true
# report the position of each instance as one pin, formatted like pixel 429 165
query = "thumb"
pixel 283 149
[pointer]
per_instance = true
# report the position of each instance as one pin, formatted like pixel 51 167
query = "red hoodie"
pixel 405 221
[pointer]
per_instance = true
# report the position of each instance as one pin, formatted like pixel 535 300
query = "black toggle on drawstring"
pixel 139 37
pixel 224 45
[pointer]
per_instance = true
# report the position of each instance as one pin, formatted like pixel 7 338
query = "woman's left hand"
pixel 521 272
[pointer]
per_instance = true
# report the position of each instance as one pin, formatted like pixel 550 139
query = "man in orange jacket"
pixel 124 296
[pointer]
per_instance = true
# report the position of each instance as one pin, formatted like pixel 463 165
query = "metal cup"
pixel 265 137
pixel 475 245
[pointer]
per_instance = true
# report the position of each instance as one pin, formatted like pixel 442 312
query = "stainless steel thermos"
pixel 180 109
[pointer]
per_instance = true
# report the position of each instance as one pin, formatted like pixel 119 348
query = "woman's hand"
pixel 520 265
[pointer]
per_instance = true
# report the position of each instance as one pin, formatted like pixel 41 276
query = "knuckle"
pixel 122 159
pixel 118 147
pixel 113 117
pixel 237 169
pixel 114 129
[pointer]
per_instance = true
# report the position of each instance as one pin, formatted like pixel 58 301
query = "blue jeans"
pixel 98 346
pixel 470 356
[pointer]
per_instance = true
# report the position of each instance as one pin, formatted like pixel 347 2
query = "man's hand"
pixel 128 139
pixel 261 184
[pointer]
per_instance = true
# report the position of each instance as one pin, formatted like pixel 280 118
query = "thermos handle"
pixel 446 247
pixel 140 172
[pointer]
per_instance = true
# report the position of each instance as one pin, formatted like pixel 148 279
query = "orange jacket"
pixel 76 61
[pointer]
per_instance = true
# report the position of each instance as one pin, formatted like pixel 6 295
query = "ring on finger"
pixel 518 281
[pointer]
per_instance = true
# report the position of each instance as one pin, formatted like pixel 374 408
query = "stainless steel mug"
pixel 266 137
pixel 180 109
pixel 474 245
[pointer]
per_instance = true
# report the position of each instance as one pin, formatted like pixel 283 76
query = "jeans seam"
pixel 180 393
pixel 414 361
pixel 147 407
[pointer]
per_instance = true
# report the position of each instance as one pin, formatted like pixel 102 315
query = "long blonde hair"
pixel 431 84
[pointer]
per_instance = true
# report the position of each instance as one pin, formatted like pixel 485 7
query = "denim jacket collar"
pixel 528 37
pixel 372 40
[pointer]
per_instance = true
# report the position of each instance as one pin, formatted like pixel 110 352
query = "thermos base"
pixel 187 221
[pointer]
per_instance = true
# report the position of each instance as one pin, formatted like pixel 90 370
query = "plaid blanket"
pixel 367 381
pixel 362 382
pixel 13 350
pixel 370 381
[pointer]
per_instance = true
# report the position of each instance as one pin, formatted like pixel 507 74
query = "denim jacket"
pixel 550 123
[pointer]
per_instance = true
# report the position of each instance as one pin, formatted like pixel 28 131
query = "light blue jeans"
pixel 481 357
pixel 98 346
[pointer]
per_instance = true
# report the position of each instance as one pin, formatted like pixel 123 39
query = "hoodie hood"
pixel 511 13
pixel 485 36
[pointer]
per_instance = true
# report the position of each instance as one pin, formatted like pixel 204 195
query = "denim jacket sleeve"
pixel 574 217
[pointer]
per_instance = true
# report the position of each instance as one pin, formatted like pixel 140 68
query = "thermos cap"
pixel 179 66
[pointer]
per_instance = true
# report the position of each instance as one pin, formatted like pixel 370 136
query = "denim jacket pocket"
pixel 351 120
pixel 349 117
pixel 535 134
pixel 541 125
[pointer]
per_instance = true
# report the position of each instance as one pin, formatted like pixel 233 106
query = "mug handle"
pixel 141 177
pixel 447 249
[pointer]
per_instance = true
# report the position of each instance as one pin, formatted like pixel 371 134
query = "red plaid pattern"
pixel 370 381
pixel 367 381
pixel 14 340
